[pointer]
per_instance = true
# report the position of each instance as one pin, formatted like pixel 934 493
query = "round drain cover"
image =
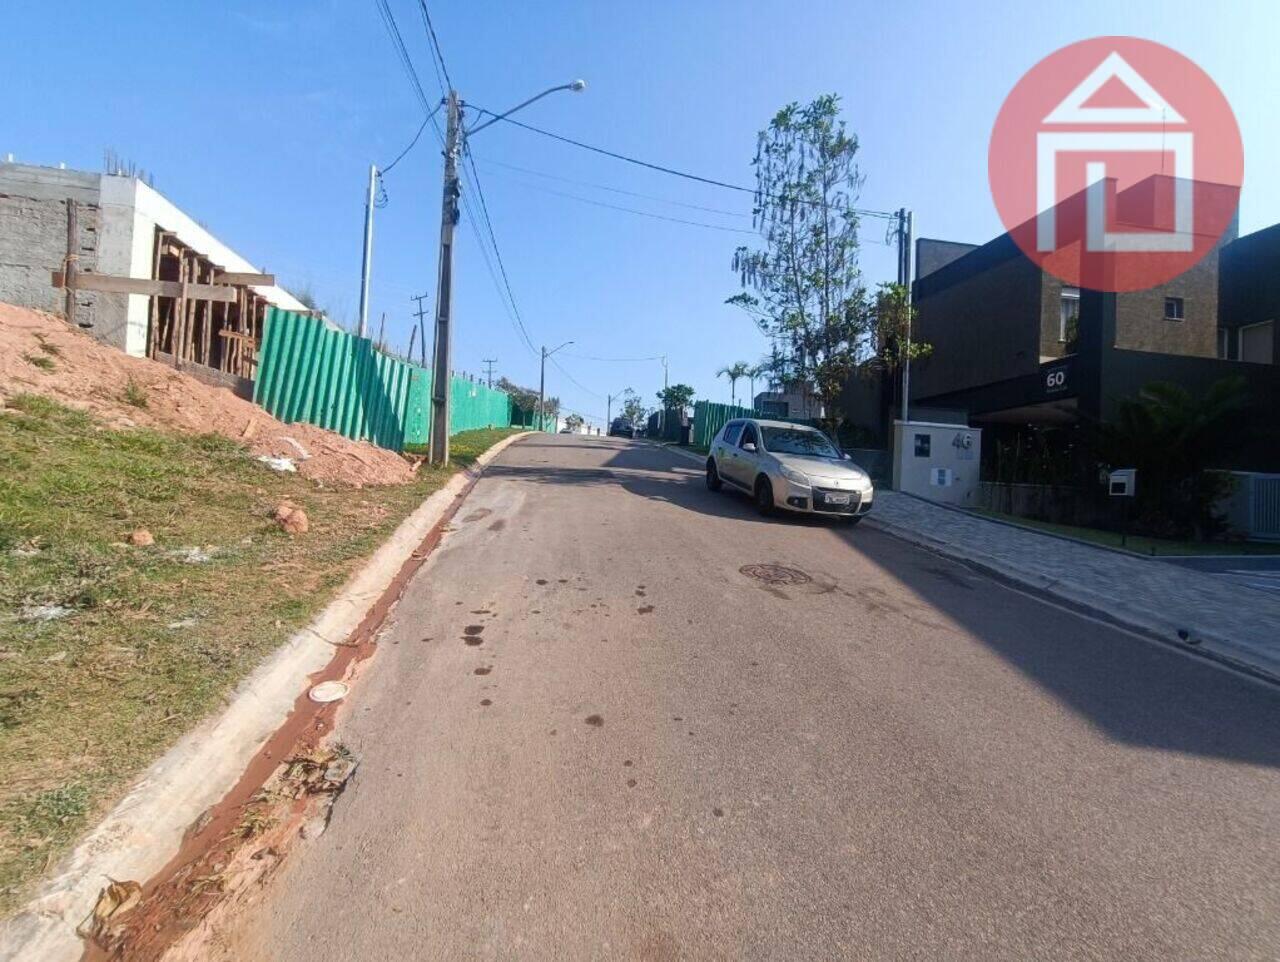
pixel 775 574
pixel 328 691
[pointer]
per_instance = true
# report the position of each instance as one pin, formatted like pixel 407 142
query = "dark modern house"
pixel 1015 350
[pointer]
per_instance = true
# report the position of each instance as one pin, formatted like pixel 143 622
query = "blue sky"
pixel 261 121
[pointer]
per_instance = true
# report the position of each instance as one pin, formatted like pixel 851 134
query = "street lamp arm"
pixel 575 86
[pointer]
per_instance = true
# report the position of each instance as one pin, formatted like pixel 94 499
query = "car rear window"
pixel 732 432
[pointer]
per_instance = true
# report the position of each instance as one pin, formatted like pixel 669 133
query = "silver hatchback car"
pixel 791 467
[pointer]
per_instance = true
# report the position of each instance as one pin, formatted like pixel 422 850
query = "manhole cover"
pixel 775 574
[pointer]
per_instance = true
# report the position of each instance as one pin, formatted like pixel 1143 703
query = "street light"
pixel 454 135
pixel 574 86
pixel 542 382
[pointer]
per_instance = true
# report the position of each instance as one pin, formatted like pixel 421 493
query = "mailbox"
pixel 1122 483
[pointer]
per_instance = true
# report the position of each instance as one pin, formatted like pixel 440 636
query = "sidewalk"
pixel 1209 615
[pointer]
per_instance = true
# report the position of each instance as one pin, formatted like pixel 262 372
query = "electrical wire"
pixel 437 53
pixel 575 381
pixel 400 156
pixel 397 41
pixel 619 360
pixel 639 213
pixel 661 168
pixel 485 161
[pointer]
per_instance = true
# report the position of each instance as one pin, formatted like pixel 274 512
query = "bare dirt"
pixel 41 354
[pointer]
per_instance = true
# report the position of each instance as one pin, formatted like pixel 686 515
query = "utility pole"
pixel 542 384
pixel 542 388
pixel 489 363
pixel 662 411
pixel 421 328
pixel 444 287
pixel 367 265
pixel 905 226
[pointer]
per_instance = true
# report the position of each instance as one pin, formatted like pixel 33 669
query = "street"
pixel 589 734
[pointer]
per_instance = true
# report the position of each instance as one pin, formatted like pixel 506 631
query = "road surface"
pixel 589 735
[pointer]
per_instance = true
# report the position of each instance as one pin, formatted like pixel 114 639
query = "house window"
pixel 1068 314
pixel 1173 309
pixel 923 443
pixel 1257 343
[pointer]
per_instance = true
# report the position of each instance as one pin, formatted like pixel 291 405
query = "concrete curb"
pixel 144 831
pixel 1150 623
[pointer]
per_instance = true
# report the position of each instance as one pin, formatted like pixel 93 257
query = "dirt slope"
pixel 40 354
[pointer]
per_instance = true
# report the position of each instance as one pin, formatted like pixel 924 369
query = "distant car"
pixel 622 428
pixel 791 467
pixel 566 430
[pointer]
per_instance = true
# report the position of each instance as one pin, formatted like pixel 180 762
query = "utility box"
pixel 1122 483
pixel 940 462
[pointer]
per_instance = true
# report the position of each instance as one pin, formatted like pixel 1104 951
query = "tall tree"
pixel 734 372
pixel 676 398
pixel 892 318
pixel 804 284
pixel 633 408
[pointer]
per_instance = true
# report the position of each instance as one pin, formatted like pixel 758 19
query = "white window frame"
pixel 1182 308
pixel 1067 294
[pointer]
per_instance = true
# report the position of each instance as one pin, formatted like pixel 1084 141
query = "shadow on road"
pixel 1137 692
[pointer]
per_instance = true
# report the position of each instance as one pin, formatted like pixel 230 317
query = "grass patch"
pixel 135 394
pixel 41 361
pixel 144 643
pixel 1138 544
pixel 51 349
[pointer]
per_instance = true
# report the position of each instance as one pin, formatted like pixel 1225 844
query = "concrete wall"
pixel 118 218
pixel 938 468
pixel 33 235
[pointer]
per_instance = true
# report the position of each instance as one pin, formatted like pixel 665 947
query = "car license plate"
pixel 837 499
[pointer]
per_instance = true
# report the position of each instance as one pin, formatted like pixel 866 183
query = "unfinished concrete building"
pixel 120 260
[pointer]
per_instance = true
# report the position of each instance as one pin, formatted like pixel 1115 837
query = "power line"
pixel 437 53
pixel 615 190
pixel 484 208
pixel 397 41
pixel 663 169
pixel 574 380
pixel 400 156
pixel 587 357
pixel 639 213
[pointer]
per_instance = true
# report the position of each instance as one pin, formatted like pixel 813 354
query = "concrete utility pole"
pixel 489 363
pixel 662 411
pixel 421 328
pixel 905 225
pixel 542 383
pixel 367 265
pixel 444 286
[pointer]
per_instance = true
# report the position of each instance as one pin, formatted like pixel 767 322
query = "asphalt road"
pixel 589 735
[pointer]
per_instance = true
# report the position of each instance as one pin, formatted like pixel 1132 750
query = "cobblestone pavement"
pixel 1220 617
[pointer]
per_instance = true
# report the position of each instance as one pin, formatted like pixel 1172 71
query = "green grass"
pixel 151 643
pixel 40 361
pixel 1139 544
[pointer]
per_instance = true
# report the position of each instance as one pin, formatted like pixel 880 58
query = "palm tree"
pixel 739 369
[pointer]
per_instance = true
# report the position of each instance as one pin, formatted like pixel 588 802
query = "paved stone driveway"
pixel 1222 618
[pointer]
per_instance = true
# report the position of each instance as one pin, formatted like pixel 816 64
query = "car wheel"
pixel 764 497
pixel 713 477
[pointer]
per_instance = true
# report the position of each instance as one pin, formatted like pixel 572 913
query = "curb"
pixel 146 828
pixel 1209 646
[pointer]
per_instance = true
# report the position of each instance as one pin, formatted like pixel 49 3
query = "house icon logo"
pixel 1116 163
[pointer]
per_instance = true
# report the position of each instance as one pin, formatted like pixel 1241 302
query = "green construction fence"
pixel 709 417
pixel 311 371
